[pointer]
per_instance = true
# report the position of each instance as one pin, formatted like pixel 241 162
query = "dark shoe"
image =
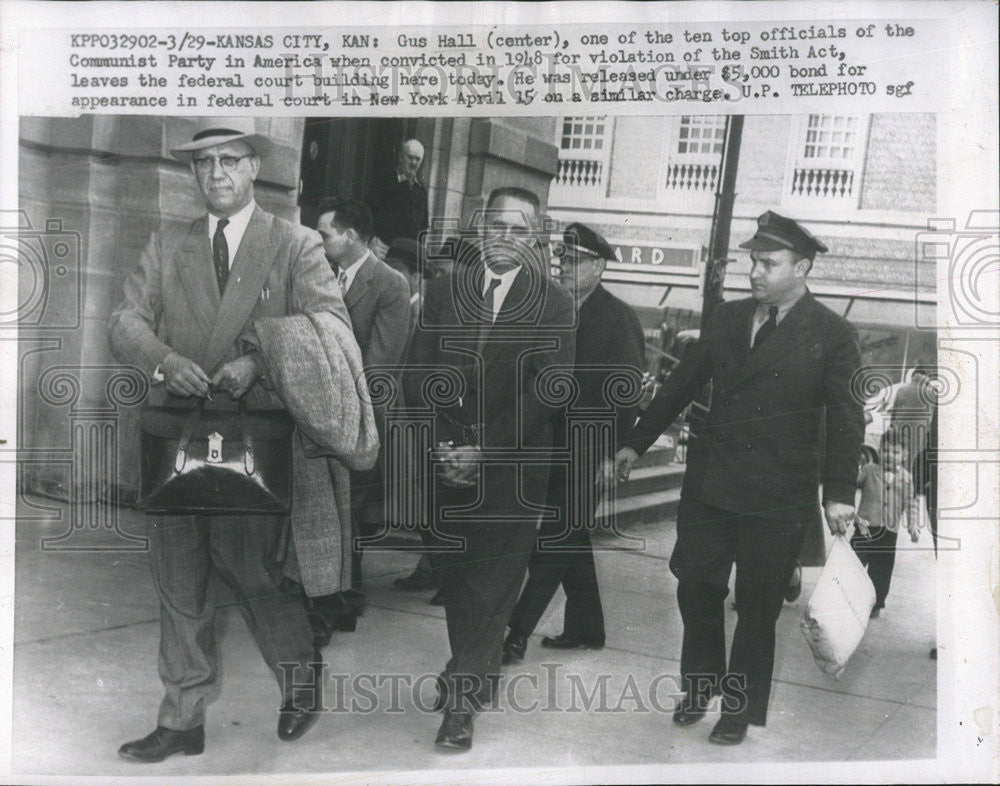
pixel 164 742
pixel 564 642
pixel 456 731
pixel 728 731
pixel 794 588
pixel 417 581
pixel 513 648
pixel 932 654
pixel 438 599
pixel 875 612
pixel 688 713
pixel 295 718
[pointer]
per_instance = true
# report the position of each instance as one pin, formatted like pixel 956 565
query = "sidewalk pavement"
pixel 85 675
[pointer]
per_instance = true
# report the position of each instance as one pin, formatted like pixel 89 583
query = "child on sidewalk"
pixel 886 497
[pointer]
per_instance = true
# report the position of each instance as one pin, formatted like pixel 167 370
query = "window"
pixel 584 151
pixel 828 157
pixel 696 154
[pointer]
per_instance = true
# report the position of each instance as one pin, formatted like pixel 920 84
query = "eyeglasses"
pixel 228 163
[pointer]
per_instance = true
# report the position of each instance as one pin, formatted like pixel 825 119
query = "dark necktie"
pixel 767 328
pixel 220 255
pixel 487 315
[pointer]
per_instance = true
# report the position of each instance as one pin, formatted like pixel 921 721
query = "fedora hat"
pixel 212 131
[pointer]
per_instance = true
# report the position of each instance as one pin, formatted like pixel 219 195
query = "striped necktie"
pixel 220 255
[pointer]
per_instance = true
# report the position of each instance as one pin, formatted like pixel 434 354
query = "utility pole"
pixel 722 218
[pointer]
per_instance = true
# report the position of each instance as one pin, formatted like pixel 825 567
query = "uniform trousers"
pixel 709 542
pixel 480 581
pixel 564 555
pixel 184 552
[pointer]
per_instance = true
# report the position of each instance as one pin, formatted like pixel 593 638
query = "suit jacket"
pixel 172 303
pixel 500 389
pixel 379 304
pixel 759 450
pixel 399 209
pixel 610 358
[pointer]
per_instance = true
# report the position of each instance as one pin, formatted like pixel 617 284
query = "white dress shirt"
pixel 500 293
pixel 234 230
pixel 348 273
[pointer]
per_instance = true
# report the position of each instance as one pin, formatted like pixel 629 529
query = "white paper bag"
pixel 837 614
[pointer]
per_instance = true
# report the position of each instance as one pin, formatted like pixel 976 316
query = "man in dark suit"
pixel 187 319
pixel 777 361
pixel 378 300
pixel 610 356
pixel 399 201
pixel 490 331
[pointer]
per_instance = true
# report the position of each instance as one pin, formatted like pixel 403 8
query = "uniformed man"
pixel 778 362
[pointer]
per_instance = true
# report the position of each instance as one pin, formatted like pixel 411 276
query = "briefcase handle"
pixel 191 423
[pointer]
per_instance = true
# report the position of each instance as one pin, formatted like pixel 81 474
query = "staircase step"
pixel 655 456
pixel 658 477
pixel 648 508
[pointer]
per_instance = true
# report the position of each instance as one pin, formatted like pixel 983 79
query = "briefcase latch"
pixel 214 448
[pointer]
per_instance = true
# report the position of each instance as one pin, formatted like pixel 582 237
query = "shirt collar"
pixel 237 222
pixel 761 313
pixel 352 271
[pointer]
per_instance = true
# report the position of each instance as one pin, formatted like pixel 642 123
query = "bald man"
pixel 399 202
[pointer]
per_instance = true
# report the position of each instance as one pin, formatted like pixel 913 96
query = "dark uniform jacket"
pixel 759 451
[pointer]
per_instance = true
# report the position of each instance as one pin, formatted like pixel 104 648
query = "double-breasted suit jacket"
pixel 759 452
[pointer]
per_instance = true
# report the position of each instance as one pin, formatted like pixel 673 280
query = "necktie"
pixel 487 316
pixel 220 255
pixel 342 280
pixel 767 328
pixel 488 298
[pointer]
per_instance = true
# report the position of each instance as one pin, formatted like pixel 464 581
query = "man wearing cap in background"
pixel 610 358
pixel 777 361
pixel 378 300
pixel 194 296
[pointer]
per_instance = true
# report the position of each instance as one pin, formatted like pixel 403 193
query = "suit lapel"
pixel 246 278
pixel 194 268
pixel 361 284
pixel 781 341
pixel 512 310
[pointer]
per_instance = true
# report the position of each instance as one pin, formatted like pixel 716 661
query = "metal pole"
pixel 722 218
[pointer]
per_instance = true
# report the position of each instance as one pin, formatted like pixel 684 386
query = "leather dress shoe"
pixel 688 713
pixel 728 731
pixel 164 742
pixel 295 718
pixel 455 732
pixel 513 648
pixel 565 642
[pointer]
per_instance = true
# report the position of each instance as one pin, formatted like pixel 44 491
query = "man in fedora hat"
pixel 781 365
pixel 188 320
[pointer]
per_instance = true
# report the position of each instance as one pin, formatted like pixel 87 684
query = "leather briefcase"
pixel 204 461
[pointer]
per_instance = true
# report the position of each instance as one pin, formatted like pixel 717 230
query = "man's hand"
pixel 459 465
pixel 183 376
pixel 839 517
pixel 624 459
pixel 236 376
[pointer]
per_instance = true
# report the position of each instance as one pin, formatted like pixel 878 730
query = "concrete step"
pixel 658 477
pixel 649 508
pixel 656 456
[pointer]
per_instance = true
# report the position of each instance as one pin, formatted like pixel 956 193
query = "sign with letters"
pixel 653 257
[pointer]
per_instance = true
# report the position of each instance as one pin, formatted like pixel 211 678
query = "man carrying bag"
pixel 196 313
